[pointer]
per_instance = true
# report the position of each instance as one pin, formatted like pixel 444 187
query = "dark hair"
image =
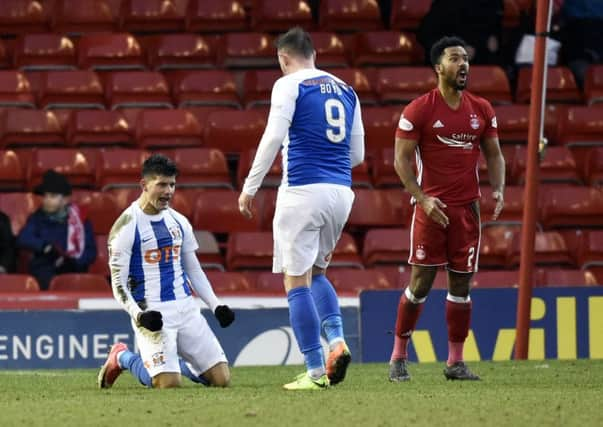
pixel 438 47
pixel 297 42
pixel 159 165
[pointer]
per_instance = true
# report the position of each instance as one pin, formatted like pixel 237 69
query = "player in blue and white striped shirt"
pixel 153 266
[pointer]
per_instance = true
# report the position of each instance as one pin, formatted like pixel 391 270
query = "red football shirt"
pixel 448 146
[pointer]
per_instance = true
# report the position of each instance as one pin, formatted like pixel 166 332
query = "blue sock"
pixel 306 326
pixel 185 371
pixel 328 309
pixel 133 363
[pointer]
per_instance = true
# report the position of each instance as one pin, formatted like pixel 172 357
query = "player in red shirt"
pixel 444 129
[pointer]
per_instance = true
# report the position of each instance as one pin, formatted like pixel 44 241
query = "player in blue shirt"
pixel 315 118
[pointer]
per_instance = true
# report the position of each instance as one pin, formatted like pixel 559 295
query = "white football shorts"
pixel 185 333
pixel 307 224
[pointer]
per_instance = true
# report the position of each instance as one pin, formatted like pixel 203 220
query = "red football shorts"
pixel 456 246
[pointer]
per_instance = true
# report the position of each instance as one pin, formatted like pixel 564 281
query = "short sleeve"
pixel 491 125
pixel 283 98
pixel 410 123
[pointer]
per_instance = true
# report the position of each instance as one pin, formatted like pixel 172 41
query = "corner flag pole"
pixel 537 101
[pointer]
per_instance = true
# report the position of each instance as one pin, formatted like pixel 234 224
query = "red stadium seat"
pixel 510 154
pixel 273 177
pixel 137 89
pixel 168 129
pixel 99 128
pixel 490 82
pixel 208 251
pixel 380 125
pixel 44 52
pixel 387 48
pixel 549 249
pixel 351 281
pixel 84 16
pixel 216 16
pixel 206 87
pixel 558 165
pixel 266 199
pixel 258 86
pixel 330 50
pixel 225 283
pixel 15 90
pixel 201 167
pixel 249 250
pixel 560 86
pixel 12 172
pixel 593 174
pixel 18 207
pixel 383 172
pixel 270 283
pixel 70 162
pixel 566 205
pixel 100 207
pixel 23 16
pixel 101 263
pixel 153 15
pixel 495 279
pixel 234 131
pixel 403 84
pixel 117 51
pixel 119 168
pixel 386 246
pixel 554 277
pixel 247 50
pixel 350 15
pixel 512 212
pixel 408 14
pixel 593 84
pixel 71 89
pixel 495 246
pixel 17 283
pixel 181 51
pixel 268 15
pixel 361 177
pixel 31 128
pixel 512 123
pixel 80 282
pixel 5 60
pixel 359 80
pixel 379 208
pixel 218 211
pixel 582 126
pixel 345 254
pixel 591 248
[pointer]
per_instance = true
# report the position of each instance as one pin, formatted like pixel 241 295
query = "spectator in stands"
pixel 58 234
pixel 7 245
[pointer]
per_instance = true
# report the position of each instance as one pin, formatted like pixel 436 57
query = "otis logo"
pixel 165 254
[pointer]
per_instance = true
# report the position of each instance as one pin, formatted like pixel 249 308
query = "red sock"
pixel 408 314
pixel 458 318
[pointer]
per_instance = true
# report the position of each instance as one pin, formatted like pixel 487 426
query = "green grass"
pixel 511 394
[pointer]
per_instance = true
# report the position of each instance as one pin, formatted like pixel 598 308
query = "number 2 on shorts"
pixel 471 256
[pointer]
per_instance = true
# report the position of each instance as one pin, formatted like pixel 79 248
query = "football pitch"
pixel 511 394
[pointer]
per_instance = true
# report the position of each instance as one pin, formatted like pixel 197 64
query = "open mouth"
pixel 164 200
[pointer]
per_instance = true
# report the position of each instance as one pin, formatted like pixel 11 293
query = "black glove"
pixel 152 320
pixel 224 315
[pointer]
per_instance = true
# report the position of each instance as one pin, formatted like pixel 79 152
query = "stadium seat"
pixel 273 177
pixel 495 246
pixel 566 205
pixel 266 200
pixel 101 263
pixel 218 211
pixel 119 167
pixel 590 250
pixel 549 249
pixel 116 51
pixel 249 250
pixel 379 208
pixel 556 277
pixel 153 15
pixel 558 165
pixel 15 90
pixel 495 279
pixel 230 282
pixel 23 128
pixel 593 174
pixel 268 15
pixel 12 172
pixel 216 16
pixel 510 153
pixel 70 162
pixel 5 60
pixel 23 16
pixel 205 87
pixel 378 48
pixel 181 51
pixel 84 16
pixel 100 207
pixel 208 251
pixel 380 125
pixel 560 86
pixel 359 80
pixel 258 86
pixel 350 281
pixel 581 128
pixel 408 14
pixel 80 282
pixel 234 131
pixel 330 50
pixel 383 172
pixel 167 129
pixel 490 82
pixel 512 212
pixel 249 50
pixel 361 177
pixel 99 128
pixel 137 89
pixel 403 84
pixel 512 123
pixel 593 84
pixel 270 283
pixel 349 15
pixel 71 89
pixel 386 246
pixel 201 167
pixel 44 52
pixel 18 207
pixel 18 283
pixel 345 254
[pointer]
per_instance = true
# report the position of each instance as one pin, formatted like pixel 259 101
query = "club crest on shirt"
pixel 176 233
pixel 473 121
